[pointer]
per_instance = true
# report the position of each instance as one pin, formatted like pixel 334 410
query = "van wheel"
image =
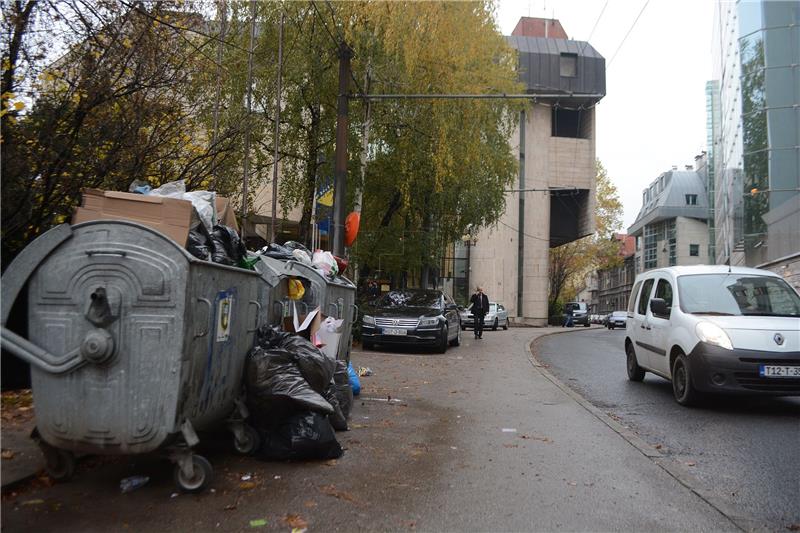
pixel 682 388
pixel 635 372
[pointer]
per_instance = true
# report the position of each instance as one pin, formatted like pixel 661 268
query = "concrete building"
pixel 614 284
pixel 553 202
pixel 754 130
pixel 670 228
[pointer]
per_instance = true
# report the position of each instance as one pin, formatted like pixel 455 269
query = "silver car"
pixel 496 317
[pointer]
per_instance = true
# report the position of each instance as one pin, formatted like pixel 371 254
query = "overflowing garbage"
pixel 262 349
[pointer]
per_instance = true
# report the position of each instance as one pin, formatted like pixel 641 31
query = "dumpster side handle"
pixel 355 312
pixel 335 310
pixel 258 315
pixel 38 357
pixel 203 332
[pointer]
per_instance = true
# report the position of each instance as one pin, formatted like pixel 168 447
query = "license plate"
pixel 391 331
pixel 774 371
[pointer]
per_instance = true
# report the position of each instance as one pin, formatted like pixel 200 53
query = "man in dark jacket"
pixel 479 303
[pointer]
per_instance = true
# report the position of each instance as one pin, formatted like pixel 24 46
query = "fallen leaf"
pixel 7 454
pixel 260 522
pixel 691 463
pixel 247 485
pixel 331 490
pixel 309 504
pixel 230 507
pixel 295 521
pixel 510 445
pixel 32 502
pixel 658 446
pixel 331 462
pixel 793 527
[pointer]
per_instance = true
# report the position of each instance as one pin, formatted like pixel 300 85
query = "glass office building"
pixel 755 126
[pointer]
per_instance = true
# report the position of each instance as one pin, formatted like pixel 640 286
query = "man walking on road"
pixel 480 306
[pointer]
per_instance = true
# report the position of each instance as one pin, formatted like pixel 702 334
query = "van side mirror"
pixel 659 307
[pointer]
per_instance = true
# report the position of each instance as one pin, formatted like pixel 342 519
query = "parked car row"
pixel 424 318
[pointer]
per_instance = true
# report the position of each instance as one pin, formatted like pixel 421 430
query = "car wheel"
pixel 586 325
pixel 635 372
pixel 443 341
pixel 457 340
pixel 682 388
pixel 494 326
pixel 367 345
pixel 505 325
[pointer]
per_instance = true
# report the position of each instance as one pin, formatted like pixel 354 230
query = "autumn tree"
pixel 98 94
pixel 570 262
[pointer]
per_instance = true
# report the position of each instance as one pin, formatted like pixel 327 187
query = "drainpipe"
pixel 521 222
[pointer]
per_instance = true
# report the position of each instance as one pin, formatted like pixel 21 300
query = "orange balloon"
pixel 351 224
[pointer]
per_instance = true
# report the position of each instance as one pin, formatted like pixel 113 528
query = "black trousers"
pixel 479 325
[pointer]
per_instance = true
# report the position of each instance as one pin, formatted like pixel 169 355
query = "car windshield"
pixel 576 306
pixel 409 298
pixel 737 294
pixel 620 313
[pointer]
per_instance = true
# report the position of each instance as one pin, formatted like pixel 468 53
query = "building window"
pixel 651 234
pixel 672 242
pixel 694 250
pixel 569 65
pixel 574 123
pixel 691 199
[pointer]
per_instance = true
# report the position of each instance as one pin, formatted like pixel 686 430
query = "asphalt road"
pixel 746 450
pixel 476 439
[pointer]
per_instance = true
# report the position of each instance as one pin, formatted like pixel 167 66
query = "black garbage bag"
pixel 294 245
pixel 277 251
pixel 338 419
pixel 199 242
pixel 343 389
pixel 303 435
pixel 227 248
pixel 276 388
pixel 316 367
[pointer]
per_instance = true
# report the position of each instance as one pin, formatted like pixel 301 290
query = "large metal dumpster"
pixel 336 297
pixel 134 344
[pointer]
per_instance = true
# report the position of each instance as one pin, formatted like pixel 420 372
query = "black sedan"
pixel 412 317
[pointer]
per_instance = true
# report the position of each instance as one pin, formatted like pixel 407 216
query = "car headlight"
pixel 713 334
pixel 428 321
pixel 368 320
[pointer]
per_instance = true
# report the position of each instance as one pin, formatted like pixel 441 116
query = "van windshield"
pixel 737 294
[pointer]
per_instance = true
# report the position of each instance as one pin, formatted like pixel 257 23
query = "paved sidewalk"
pixel 25 459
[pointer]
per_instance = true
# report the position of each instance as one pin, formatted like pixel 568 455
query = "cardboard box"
pixel 226 214
pixel 170 216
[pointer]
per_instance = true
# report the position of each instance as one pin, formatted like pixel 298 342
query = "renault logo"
pixel 778 338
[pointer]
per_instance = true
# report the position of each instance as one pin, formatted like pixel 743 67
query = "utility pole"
pixel 222 16
pixel 246 162
pixel 340 164
pixel 277 133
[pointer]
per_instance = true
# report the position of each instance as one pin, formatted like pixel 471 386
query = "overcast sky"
pixel 654 112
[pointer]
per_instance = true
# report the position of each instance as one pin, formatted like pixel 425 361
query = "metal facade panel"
pixel 539 60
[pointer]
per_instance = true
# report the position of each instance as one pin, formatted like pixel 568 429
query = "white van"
pixel 715 329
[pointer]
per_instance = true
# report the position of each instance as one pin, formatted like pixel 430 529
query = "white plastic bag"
pixel 205 204
pixel 173 189
pixel 301 256
pixel 329 335
pixel 324 262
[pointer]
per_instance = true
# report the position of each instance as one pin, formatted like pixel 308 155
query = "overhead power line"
pixel 626 35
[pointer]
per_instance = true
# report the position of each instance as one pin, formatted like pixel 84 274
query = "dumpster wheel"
pixel 59 464
pixel 201 478
pixel 250 443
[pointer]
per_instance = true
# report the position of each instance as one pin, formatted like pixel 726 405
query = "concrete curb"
pixel 678 471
